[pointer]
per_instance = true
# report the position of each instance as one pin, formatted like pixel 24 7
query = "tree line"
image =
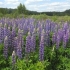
pixel 21 9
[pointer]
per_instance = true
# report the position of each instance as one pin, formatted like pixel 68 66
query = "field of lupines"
pixel 30 44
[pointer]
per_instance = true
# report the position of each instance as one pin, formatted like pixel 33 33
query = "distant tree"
pixel 67 12
pixel 21 9
pixel 24 9
pixel 3 10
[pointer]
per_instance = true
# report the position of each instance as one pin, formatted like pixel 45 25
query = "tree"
pixel 21 9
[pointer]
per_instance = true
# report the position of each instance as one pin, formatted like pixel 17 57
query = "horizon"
pixel 38 5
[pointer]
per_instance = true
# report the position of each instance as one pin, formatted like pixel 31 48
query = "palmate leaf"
pixel 68 65
pixel 64 63
pixel 67 51
pixel 21 65
pixel 61 50
pixel 7 68
pixel 2 61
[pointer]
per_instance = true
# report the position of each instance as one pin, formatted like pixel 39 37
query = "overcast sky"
pixel 38 5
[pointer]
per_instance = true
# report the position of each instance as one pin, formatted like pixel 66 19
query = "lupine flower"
pixel 28 43
pixel 41 49
pixel 6 47
pixel 10 39
pixel 39 30
pixel 13 58
pixel 19 50
pixel 43 33
pixel 5 30
pixel 13 34
pixel 57 41
pixel 64 40
pixel 15 43
pixel 54 38
pixel 65 27
pixel 48 25
pixel 25 28
pixel 1 33
pixel 33 43
pixel 47 38
pixel 31 28
pixel 34 32
pixel 13 31
pixel 67 34
pixel 20 37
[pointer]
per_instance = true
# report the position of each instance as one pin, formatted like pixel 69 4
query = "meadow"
pixel 34 42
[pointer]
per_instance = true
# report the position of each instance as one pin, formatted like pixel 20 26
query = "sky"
pixel 38 5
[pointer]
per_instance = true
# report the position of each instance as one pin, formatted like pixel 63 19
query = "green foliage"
pixel 21 9
pixel 4 63
pixel 24 65
pixel 1 15
pixel 21 65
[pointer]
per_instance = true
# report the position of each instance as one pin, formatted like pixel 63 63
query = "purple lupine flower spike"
pixel 1 33
pixel 13 34
pixel 19 51
pixel 10 39
pixel 41 49
pixel 20 37
pixel 34 32
pixel 13 31
pixel 28 44
pixel 64 40
pixel 47 37
pixel 54 38
pixel 13 58
pixel 5 30
pixel 43 33
pixel 57 41
pixel 15 43
pixel 6 47
pixel 33 43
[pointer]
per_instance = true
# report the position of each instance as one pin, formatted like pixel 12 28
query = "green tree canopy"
pixel 21 9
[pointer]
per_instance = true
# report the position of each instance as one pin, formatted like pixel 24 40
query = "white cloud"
pixel 31 1
pixel 38 5
pixel 1 3
pixel 53 6
pixel 12 2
